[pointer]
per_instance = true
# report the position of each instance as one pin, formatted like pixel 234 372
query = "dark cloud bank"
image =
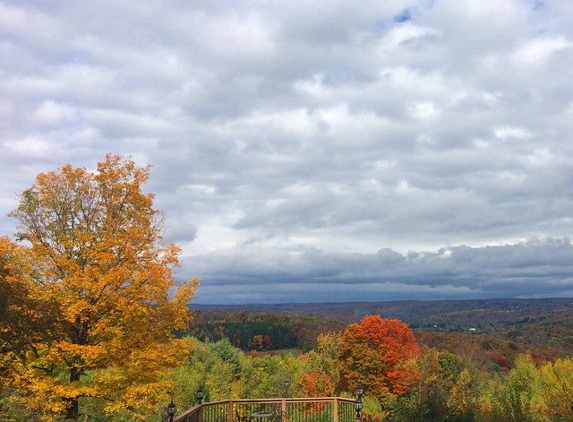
pixel 532 269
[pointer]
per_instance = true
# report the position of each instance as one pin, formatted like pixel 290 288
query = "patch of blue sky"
pixel 405 16
pixel 537 4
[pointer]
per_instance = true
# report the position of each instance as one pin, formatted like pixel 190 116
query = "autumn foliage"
pixel 94 258
pixel 379 354
pixel 25 320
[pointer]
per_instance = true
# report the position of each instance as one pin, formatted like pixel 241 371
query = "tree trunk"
pixel 72 403
pixel 72 409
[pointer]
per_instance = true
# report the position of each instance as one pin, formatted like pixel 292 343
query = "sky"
pixel 313 151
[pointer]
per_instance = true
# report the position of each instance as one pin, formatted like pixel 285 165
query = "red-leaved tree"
pixel 379 354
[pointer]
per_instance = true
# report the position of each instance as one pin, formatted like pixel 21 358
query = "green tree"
pixel 98 252
pixel 450 366
pixel 518 398
pixel 426 400
pixel 264 375
pixel 463 400
pixel 557 386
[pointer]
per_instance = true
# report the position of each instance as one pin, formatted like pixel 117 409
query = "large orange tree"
pixel 379 354
pixel 97 249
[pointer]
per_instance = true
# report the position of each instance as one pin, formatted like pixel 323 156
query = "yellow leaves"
pixel 43 387
pixel 23 319
pixel 101 263
pixel 140 401
pixel 86 356
pixel 462 397
pixel 13 263
pixel 556 381
pixel 139 385
pixel 328 344
pixel 131 380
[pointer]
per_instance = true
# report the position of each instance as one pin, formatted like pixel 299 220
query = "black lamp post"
pixel 358 402
pixel 358 405
pixel 286 385
pixel 171 410
pixel 200 393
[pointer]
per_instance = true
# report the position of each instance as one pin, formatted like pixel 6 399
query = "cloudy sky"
pixel 309 151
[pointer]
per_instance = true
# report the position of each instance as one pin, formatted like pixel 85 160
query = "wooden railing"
pixel 325 409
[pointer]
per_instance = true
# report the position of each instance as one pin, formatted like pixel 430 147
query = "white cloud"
pixel 405 36
pixel 424 110
pixel 508 132
pixel 537 51
pixel 31 148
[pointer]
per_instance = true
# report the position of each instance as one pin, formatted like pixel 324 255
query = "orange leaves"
pixel 378 353
pixel 316 384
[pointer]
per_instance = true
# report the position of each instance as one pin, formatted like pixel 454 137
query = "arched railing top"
pixel 323 409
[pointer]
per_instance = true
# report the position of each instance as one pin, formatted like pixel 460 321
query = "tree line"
pixel 261 331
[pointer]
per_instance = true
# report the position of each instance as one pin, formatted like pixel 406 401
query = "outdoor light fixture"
pixel 200 393
pixel 171 410
pixel 358 408
pixel 358 402
pixel 286 385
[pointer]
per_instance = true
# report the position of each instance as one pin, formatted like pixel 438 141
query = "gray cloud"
pixel 314 151
pixel 534 268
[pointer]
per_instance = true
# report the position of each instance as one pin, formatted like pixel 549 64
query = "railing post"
pixel 200 413
pixel 283 410
pixel 335 409
pixel 230 411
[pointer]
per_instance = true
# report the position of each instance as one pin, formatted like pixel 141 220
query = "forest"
pixel 513 368
pixel 94 328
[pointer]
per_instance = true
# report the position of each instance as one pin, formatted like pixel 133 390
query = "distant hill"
pixel 460 314
pixel 496 329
